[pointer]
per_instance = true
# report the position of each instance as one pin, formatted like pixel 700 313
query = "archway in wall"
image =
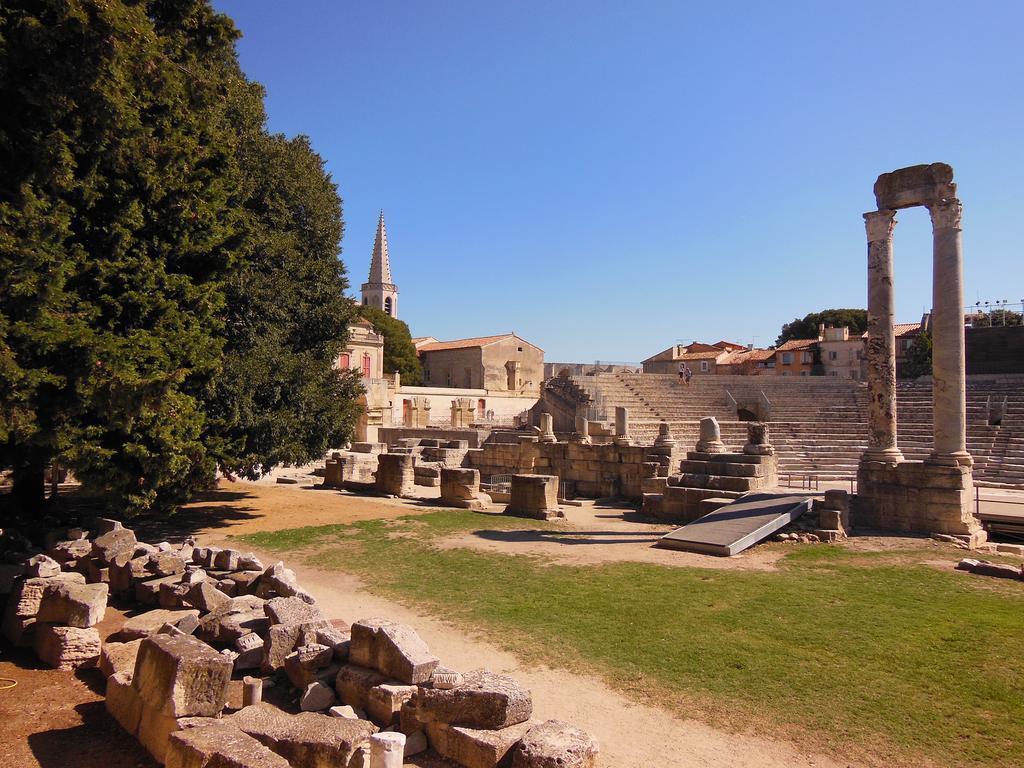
pixel 387 305
pixel 744 414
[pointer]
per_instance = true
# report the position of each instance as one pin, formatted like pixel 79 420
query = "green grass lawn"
pixel 873 656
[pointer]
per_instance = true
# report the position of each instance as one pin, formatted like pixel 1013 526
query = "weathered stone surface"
pixel 250 651
pixel 24 601
pixel 534 496
pixel 218 746
pixel 353 684
pixel 278 581
pixel 317 697
pixel 384 702
pixel 336 638
pixel 116 546
pixel 166 563
pixel 306 740
pixel 554 744
pixel 914 185
pixel 239 616
pixel 396 650
pixel 181 676
pixel 387 750
pixel 249 562
pixel 473 748
pixel 485 700
pixel 415 743
pixel 458 485
pixel 72 549
pixel 155 729
pixel 66 647
pixel 998 570
pixel 446 679
pixel 76 605
pixel 303 664
pixel 149 623
pixel 282 639
pixel 396 474
pixel 122 701
pixel 118 657
pixel 226 560
pixel 205 596
pixel 41 566
pixel 148 592
pixel 292 610
pixel 344 710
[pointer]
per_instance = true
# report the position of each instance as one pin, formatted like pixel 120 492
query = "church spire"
pixel 380 265
pixel 379 291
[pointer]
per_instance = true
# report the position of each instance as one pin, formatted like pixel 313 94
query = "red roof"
pixel 796 344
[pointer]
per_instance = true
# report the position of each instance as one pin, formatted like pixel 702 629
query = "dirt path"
pixel 631 734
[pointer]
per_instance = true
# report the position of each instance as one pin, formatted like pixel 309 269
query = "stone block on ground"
pixel 278 581
pixel 282 639
pixel 239 616
pixel 317 697
pixel 76 605
pixel 387 750
pixel 554 744
pixel 306 740
pixel 384 702
pixel 115 547
pixel 218 746
pixel 24 601
pixel 484 700
pixel 291 610
pixel 475 748
pixel 181 676
pixel 395 650
pixel 66 647
pixel 41 566
pixel 304 663
pixel 205 596
pixel 118 657
pixel 150 622
pixel 353 684
pixel 123 702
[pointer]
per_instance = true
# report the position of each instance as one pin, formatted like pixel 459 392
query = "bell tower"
pixel 379 291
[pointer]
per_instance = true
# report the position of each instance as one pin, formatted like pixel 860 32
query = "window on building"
pixel 787 358
pixel 833 355
pixel 803 373
pixel 807 357
pixel 366 365
pixel 481 408
pixel 704 366
pixel 344 362
pixel 448 378
pixel 426 374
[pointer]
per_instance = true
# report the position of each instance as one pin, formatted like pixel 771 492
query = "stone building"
pixel 364 351
pixel 380 291
pixel 503 363
pixel 699 357
pixel 796 357
pixel 842 355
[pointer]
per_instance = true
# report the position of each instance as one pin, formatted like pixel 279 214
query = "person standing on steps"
pixel 682 371
pixel 687 374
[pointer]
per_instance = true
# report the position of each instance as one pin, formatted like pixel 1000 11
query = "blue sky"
pixel 607 179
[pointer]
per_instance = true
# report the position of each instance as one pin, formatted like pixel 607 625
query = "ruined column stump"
pixel 396 474
pixel 534 496
pixel 461 488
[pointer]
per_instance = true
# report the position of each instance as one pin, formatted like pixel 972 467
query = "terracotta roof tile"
pixel 796 344
pixel 479 341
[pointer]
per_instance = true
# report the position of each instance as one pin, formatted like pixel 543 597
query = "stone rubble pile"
pixel 213 627
pixel 986 568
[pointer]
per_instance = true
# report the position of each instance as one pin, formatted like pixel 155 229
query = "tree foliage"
pixel 169 283
pixel 919 357
pixel 995 318
pixel 807 327
pixel 399 352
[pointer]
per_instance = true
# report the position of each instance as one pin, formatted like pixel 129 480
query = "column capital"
pixel 880 224
pixel 946 213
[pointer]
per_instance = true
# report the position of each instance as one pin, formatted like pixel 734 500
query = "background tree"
pixel 399 352
pixel 807 327
pixel 995 318
pixel 279 398
pixel 919 357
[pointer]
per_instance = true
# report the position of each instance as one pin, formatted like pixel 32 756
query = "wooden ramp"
pixel 731 529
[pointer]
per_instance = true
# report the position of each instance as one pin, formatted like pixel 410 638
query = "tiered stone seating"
pixel 819 425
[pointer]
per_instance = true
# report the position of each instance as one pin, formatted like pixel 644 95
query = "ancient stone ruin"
pixel 215 627
pixel 933 495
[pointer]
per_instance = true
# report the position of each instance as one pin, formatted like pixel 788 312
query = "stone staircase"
pixel 819 425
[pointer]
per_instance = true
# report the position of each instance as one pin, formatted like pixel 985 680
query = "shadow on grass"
pixel 568 537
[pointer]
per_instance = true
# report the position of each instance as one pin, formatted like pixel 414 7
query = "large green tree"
pixel 280 398
pixel 118 220
pixel 170 292
pixel 807 327
pixel 399 352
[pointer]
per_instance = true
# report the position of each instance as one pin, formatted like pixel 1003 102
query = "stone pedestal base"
pixel 917 496
pixel 396 474
pixel 534 496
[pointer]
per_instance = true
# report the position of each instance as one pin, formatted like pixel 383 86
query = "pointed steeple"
pixel 379 291
pixel 380 265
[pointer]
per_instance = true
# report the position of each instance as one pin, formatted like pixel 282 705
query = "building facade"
pixel 504 363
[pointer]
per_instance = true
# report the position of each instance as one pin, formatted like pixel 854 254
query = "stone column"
pixel 881 340
pixel 621 425
pixel 949 383
pixel 547 428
